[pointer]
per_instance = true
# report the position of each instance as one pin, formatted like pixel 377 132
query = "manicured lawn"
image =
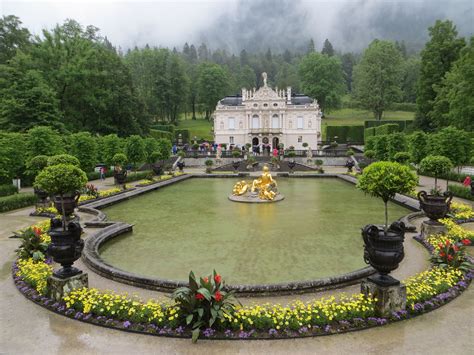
pixel 353 116
pixel 200 128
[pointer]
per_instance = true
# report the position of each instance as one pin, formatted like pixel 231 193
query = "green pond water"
pixel 192 225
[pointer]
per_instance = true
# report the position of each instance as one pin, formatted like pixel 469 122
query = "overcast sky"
pixel 236 23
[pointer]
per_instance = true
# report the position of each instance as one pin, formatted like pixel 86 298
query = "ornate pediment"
pixel 266 93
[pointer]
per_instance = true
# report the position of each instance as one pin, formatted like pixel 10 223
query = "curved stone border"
pixel 337 327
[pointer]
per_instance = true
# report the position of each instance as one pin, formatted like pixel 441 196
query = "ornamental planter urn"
pixel 68 200
pixel 384 251
pixel 434 206
pixel 157 169
pixel 180 165
pixel 66 247
pixel 41 194
pixel 120 177
pixel 236 165
pixel 291 165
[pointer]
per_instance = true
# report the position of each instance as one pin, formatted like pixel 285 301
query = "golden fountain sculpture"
pixel 262 189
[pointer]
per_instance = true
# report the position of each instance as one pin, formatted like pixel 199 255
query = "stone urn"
pixel 180 165
pixel 236 165
pixel 384 251
pixel 69 200
pixel 157 169
pixel 472 188
pixel 434 206
pixel 291 165
pixel 66 247
pixel 120 177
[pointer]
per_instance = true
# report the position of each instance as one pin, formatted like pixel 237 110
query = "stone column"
pixel 389 298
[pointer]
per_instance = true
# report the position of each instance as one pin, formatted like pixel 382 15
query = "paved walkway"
pixel 27 328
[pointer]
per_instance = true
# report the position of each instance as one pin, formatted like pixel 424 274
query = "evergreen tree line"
pixel 74 80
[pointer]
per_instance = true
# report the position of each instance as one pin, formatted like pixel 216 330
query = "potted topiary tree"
pixel 291 161
pixel 236 153
pixel 153 158
pixel 209 163
pixel 181 164
pixel 436 204
pixel 63 159
pixel 383 248
pixel 120 174
pixel 402 157
pixel 63 181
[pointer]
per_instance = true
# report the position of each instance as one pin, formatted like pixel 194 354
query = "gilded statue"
pixel 265 187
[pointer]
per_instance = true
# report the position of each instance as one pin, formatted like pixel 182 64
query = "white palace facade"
pixel 267 117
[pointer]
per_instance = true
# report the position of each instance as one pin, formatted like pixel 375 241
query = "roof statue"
pixel 264 76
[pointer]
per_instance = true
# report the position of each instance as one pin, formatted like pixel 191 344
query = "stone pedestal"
pixel 389 298
pixel 431 228
pixel 58 288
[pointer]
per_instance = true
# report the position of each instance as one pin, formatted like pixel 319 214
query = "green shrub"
pixel 402 157
pixel 95 175
pixel 403 125
pixel 7 190
pixel 350 152
pixel 163 127
pixel 36 164
pixel 13 202
pixel 403 106
pixel 236 153
pixel 436 165
pixel 385 179
pixel 386 129
pixel 119 159
pixel 63 159
pixel 461 191
pixel 209 162
pixel 370 154
pixel 61 179
pixel 368 132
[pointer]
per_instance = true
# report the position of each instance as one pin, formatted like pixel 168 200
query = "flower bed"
pixel 425 291
pixel 155 180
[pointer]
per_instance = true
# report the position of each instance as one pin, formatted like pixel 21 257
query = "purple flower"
pixel 179 330
pixel 272 332
pixel 327 328
pixel 78 315
pixel 208 332
pixel 303 330
pixel 126 324
pixel 228 333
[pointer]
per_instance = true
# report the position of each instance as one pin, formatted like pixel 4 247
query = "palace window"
pixel 300 123
pixel 300 139
pixel 231 123
pixel 255 121
pixel 231 140
pixel 275 121
pixel 275 105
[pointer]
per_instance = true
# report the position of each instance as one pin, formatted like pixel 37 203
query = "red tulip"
pixel 442 254
pixel 466 242
pixel 199 296
pixel 456 248
pixel 206 280
pixel 218 278
pixel 448 242
pixel 218 296
pixel 450 257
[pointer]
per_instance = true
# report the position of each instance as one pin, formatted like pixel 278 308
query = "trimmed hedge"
pixel 461 191
pixel 16 201
pixel 380 130
pixel 94 175
pixel 184 135
pixel 403 125
pixel 452 176
pixel 154 133
pixel 163 127
pixel 345 133
pixel 139 175
pixel 7 190
pixel 403 106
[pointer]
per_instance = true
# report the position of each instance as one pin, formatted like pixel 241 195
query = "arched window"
pixel 255 121
pixel 275 121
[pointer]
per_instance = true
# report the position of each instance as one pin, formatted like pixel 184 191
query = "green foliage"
pixel 61 179
pixel 184 135
pixel 13 38
pixel 12 155
pixel 119 159
pixel 454 103
pixel 43 141
pixel 13 202
pixel 151 146
pixel 436 165
pixel 381 147
pixel 453 143
pixel 402 157
pixel 322 78
pixel 402 124
pixel 209 162
pixel 212 86
pixel 138 175
pixel 396 142
pixel 418 146
pixel 163 127
pixel 203 302
pixel 110 145
pixel 437 58
pixel 160 134
pixel 32 245
pixel 135 149
pixel 236 153
pixel 350 153
pixel 164 149
pixel 7 190
pixel 461 191
pixel 369 154
pixel 385 179
pixel 345 133
pixel 63 159
pixel 378 76
pixel 36 164
pixel 386 129
pixel 85 148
